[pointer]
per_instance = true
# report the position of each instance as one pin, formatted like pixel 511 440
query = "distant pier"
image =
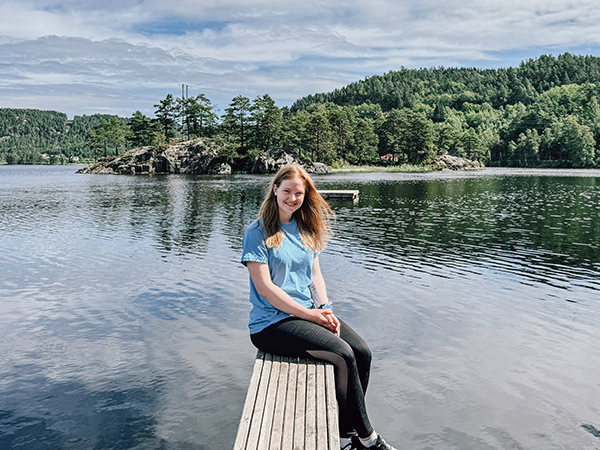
pixel 340 195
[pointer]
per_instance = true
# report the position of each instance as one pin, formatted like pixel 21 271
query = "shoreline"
pixel 557 171
pixel 370 168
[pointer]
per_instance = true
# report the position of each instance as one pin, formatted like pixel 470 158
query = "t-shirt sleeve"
pixel 253 247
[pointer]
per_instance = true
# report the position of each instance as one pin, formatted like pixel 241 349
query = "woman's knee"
pixel 363 354
pixel 342 350
pixel 348 353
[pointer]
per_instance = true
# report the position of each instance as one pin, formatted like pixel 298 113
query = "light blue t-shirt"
pixel 290 266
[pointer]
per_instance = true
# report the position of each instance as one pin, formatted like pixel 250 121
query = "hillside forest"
pixel 544 113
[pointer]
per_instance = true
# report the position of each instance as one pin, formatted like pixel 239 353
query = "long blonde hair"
pixel 312 217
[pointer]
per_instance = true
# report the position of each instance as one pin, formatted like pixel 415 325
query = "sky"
pixel 119 56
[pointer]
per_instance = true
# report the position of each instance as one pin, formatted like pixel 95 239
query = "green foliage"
pixel 451 87
pixel 291 128
pixel 545 112
pixel 141 130
pixel 574 141
pixel 319 136
pixel 29 136
pixel 73 143
pixel 236 123
pixel 166 111
pixel 265 120
pixel 407 136
pixel 362 146
pixel 197 116
pixel 108 134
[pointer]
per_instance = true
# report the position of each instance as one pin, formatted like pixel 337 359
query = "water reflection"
pixel 180 212
pixel 539 227
pixel 123 306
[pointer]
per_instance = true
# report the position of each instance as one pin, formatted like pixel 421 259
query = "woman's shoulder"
pixel 255 234
pixel 256 224
pixel 256 230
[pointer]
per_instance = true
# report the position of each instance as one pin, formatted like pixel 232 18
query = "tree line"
pixel 31 136
pixel 544 113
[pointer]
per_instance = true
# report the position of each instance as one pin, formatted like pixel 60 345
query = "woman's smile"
pixel 290 196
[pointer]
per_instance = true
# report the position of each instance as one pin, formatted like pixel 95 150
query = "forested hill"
pixel 451 87
pixel 30 136
pixel 546 112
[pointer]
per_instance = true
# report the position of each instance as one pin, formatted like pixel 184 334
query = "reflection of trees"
pixel 430 224
pixel 171 208
pixel 108 198
pixel 186 217
pixel 181 212
pixel 245 197
pixel 521 224
pixel 545 213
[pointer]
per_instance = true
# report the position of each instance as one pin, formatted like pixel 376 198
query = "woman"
pixel 281 251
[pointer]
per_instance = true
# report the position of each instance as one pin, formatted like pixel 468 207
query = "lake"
pixel 124 308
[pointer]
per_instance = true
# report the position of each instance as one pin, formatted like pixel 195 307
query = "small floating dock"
pixel 340 195
pixel 290 405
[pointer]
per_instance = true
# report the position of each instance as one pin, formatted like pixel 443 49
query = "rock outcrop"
pixel 272 160
pixel 317 168
pixel 448 162
pixel 197 156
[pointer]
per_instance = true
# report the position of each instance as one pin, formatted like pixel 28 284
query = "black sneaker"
pixel 351 446
pixel 379 445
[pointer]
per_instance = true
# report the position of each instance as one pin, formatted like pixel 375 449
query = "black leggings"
pixel 349 354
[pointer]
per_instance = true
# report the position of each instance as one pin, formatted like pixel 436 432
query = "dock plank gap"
pixel 290 405
pixel 349 194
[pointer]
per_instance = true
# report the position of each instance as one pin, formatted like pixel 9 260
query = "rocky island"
pixel 201 156
pixel 449 162
pixel 196 157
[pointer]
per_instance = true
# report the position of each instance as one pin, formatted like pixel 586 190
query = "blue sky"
pixel 118 56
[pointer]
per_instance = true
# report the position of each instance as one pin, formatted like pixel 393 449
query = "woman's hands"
pixel 325 318
pixel 279 299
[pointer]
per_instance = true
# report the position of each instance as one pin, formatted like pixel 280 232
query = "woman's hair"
pixel 312 217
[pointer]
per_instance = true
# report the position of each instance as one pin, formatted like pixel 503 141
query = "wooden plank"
pixel 259 405
pixel 280 403
pixel 290 405
pixel 244 427
pixel 300 415
pixel 321 400
pixel 287 441
pixel 267 421
pixel 310 431
pixel 332 412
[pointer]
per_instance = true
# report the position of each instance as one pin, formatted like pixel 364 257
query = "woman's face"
pixel 290 196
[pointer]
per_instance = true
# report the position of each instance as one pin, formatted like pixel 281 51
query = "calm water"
pixel 123 307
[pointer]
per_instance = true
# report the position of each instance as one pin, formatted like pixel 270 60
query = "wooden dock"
pixel 290 405
pixel 340 195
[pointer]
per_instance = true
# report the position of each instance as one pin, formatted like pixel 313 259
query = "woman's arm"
pixel 319 282
pixel 259 272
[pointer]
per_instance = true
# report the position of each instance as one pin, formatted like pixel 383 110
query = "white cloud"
pixel 135 50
